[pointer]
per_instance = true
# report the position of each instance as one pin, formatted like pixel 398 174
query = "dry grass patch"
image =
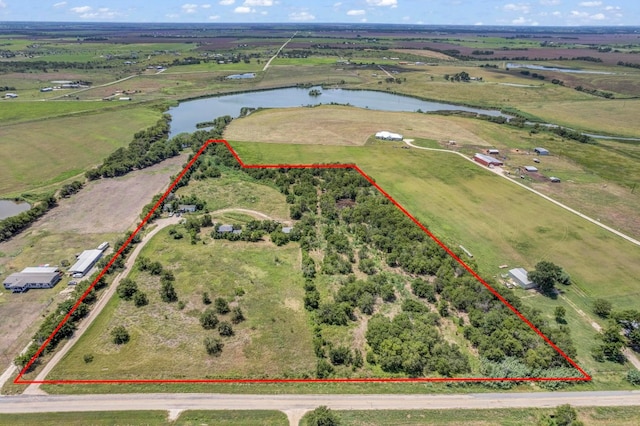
pixel 339 125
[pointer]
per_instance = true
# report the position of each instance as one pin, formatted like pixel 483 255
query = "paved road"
pixel 499 173
pixel 278 52
pixel 296 405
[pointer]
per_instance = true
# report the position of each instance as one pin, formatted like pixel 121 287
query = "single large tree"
pixel 546 275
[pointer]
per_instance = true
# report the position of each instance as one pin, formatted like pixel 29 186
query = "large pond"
pixel 10 208
pixel 567 70
pixel 188 114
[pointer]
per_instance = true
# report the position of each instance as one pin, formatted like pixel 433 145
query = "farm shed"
pixel 85 262
pixel 521 277
pixel 493 151
pixel 32 277
pixel 225 228
pixel 388 136
pixel 187 208
pixel 541 151
pixel 531 169
pixel 487 160
pixel 554 179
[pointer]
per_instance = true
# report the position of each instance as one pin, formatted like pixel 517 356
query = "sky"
pixel 428 12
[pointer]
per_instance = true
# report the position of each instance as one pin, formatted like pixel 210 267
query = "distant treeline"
pixel 46 66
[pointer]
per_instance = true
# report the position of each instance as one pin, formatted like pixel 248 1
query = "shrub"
pixel 225 329
pixel 127 289
pixel 323 369
pixel 120 335
pixel 236 315
pixel 206 299
pixel 222 307
pixel 167 292
pixel 633 376
pixel 208 319
pixel 213 346
pixel 322 416
pixel 602 308
pixel 87 358
pixel 140 299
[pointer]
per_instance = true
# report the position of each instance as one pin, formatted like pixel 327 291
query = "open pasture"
pixel 40 153
pixel 497 221
pixel 274 341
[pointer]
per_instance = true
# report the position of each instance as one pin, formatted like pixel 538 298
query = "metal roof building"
pixel 521 277
pixel 541 151
pixel 487 160
pixel 225 228
pixel 85 262
pixel 531 168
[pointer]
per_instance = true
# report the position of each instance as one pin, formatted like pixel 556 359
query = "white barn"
pixel 388 136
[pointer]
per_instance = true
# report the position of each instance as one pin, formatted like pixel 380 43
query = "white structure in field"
pixel 388 136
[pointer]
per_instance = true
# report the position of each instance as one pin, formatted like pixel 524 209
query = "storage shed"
pixel 521 277
pixel 487 160
pixel 531 169
pixel 85 262
pixel 541 151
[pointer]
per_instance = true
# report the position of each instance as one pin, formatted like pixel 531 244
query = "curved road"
pixel 595 222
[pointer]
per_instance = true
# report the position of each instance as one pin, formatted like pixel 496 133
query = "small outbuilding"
pixel 223 229
pixel 388 136
pixel 493 151
pixel 554 179
pixel 521 277
pixel 184 208
pixel 531 169
pixel 10 96
pixel 541 151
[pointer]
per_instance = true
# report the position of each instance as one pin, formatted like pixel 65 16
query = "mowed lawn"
pixel 39 153
pixel 497 221
pixel 167 342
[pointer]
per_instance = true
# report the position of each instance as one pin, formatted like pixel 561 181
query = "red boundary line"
pixel 19 379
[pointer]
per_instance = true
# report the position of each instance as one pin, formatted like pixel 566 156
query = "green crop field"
pixel 37 154
pixel 18 112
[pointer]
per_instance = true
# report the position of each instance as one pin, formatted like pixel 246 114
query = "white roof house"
pixel 85 262
pixel 531 168
pixel 388 136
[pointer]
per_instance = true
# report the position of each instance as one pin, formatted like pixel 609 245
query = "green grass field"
pixel 191 417
pixel 37 154
pixel 274 341
pixel 590 416
pixel 18 112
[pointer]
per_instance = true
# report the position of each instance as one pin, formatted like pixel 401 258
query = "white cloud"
pixel 519 21
pixel 60 4
pixel 172 15
pixel 301 16
pixel 226 2
pixel 80 9
pixel 214 17
pixel 478 23
pixel 520 7
pixel 556 13
pixel 2 4
pixel 189 8
pixel 581 15
pixel 591 3
pixel 356 12
pixel 610 8
pixel 550 2
pixel 338 4
pixel 243 9
pixel 363 20
pixel 205 6
pixel 392 3
pixel 262 3
pixel 597 17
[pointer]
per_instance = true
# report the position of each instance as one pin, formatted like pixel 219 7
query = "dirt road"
pixel 557 203
pixel 84 324
pixel 266 66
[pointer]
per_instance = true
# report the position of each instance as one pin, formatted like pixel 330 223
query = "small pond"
pixel 10 208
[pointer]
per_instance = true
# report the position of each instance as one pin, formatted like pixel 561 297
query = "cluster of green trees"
pixel 45 66
pixel 571 134
pixel 167 290
pixel 15 224
pixel 147 148
pixel 128 290
pixel 622 330
pixel 461 76
pixel 595 92
pixel 209 321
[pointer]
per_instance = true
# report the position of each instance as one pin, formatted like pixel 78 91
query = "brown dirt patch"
pixel 110 205
pixel 426 54
pixel 337 125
